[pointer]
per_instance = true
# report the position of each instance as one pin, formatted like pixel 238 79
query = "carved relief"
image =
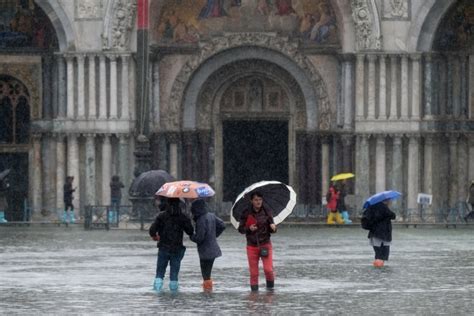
pixel 89 9
pixel 364 13
pixel 217 44
pixel 30 74
pixel 396 10
pixel 118 27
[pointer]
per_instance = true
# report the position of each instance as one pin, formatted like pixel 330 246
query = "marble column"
pixel 464 64
pixel 113 86
pixel 428 87
pixel 360 86
pixel 173 139
pixel 325 141
pixel 70 87
pixel 124 163
pixel 453 170
pixel 471 89
pixel 382 88
pixel 371 87
pixel 90 170
pixel 103 88
pixel 156 92
pixel 92 108
pixel 348 91
pixel 347 143
pixel 37 174
pixel 380 168
pixel 470 141
pixel 204 140
pixel 81 109
pixel 404 87
pixel 416 90
pixel 449 85
pixel 125 92
pixel 456 85
pixel 106 169
pixel 62 99
pixel 60 170
pixel 463 166
pixel 413 183
pixel 313 183
pixel 362 168
pixel 397 168
pixel 428 156
pixel 73 168
pixel 393 87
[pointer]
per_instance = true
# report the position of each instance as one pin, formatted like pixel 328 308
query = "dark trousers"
pixel 115 203
pixel 174 258
pixel 68 206
pixel 206 268
pixel 382 252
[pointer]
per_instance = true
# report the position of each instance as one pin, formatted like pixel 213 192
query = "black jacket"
pixel 116 189
pixel 262 234
pixel 67 194
pixel 208 228
pixel 382 218
pixel 170 228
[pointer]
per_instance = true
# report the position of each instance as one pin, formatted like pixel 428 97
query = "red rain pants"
pixel 253 256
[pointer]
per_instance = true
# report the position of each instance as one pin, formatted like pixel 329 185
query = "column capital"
pixel 325 139
pixel 125 58
pixel 397 139
pixel 453 138
pixel 89 135
pixel 80 57
pixel 415 56
pixel 204 135
pixel 60 137
pixel 372 57
pixel 123 138
pixel 72 136
pixel 393 57
pixel 173 137
pixel 347 140
pixel 429 139
pixel 36 137
pixel 347 57
pixel 101 57
pixel 413 137
pixel 112 58
pixel 381 138
pixel 360 57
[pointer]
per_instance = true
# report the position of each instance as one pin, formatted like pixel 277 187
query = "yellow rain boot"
pixel 339 218
pixel 331 218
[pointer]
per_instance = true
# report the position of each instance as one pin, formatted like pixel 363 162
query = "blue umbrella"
pixel 381 196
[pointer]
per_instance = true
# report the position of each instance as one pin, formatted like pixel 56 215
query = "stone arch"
pixel 347 32
pixel 119 23
pixel 423 30
pixel 367 24
pixel 220 51
pixel 61 23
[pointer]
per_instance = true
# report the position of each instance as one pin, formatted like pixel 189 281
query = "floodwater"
pixel 318 271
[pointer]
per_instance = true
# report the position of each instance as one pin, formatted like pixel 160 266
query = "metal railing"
pixel 125 216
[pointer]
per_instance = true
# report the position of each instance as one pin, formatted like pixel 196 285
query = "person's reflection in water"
pixel 260 302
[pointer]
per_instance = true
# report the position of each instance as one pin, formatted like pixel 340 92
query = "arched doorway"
pixel 253 108
pixel 14 142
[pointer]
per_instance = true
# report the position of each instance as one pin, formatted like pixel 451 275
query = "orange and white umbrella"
pixel 185 189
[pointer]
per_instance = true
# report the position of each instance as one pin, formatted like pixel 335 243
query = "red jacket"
pixel 332 200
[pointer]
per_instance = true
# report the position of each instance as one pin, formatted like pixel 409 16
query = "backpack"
pixel 366 221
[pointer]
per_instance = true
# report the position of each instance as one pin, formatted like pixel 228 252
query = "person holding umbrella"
pixel 208 228
pixel 257 224
pixel 377 218
pixel 168 230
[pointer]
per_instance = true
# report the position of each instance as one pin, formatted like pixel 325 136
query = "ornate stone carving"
pixel 28 71
pixel 365 16
pixel 284 45
pixel 396 10
pixel 89 9
pixel 118 24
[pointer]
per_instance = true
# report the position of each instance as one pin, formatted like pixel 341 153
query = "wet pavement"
pixel 318 271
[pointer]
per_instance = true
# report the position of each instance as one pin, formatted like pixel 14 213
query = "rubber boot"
pixel 2 218
pixel 158 284
pixel 72 220
pixel 254 288
pixel 174 286
pixel 378 263
pixel 270 285
pixel 345 217
pixel 112 217
pixel 65 218
pixel 207 285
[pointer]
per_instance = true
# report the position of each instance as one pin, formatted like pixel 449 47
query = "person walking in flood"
pixel 4 187
pixel 116 187
pixel 332 198
pixel 208 228
pixel 168 230
pixel 341 188
pixel 68 197
pixel 470 200
pixel 257 225
pixel 379 222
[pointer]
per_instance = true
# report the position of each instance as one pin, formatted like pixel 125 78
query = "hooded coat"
pixel 208 228
pixel 170 225
pixel 382 218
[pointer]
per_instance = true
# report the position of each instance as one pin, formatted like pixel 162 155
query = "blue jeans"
pixel 174 258
pixel 115 204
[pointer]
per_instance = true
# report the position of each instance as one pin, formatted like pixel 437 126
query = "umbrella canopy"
pixel 342 176
pixel 278 197
pixel 186 189
pixel 147 183
pixel 4 173
pixel 382 196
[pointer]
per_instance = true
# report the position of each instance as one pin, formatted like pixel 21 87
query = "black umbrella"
pixel 147 183
pixel 278 197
